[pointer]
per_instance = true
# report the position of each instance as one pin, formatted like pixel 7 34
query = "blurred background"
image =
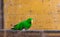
pixel 45 13
pixel 1 15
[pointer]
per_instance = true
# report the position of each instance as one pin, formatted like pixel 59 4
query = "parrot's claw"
pixel 24 30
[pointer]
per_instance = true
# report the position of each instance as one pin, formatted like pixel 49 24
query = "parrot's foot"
pixel 24 30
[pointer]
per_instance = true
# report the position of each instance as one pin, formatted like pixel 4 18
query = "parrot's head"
pixel 30 20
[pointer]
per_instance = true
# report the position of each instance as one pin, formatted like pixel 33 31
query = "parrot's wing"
pixel 26 24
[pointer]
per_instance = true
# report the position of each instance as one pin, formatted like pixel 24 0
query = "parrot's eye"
pixel 30 22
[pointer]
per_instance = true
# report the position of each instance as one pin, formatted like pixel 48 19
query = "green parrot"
pixel 26 24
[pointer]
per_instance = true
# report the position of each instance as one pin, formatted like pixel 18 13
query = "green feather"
pixel 26 24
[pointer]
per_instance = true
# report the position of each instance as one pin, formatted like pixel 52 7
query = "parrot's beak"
pixel 32 21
